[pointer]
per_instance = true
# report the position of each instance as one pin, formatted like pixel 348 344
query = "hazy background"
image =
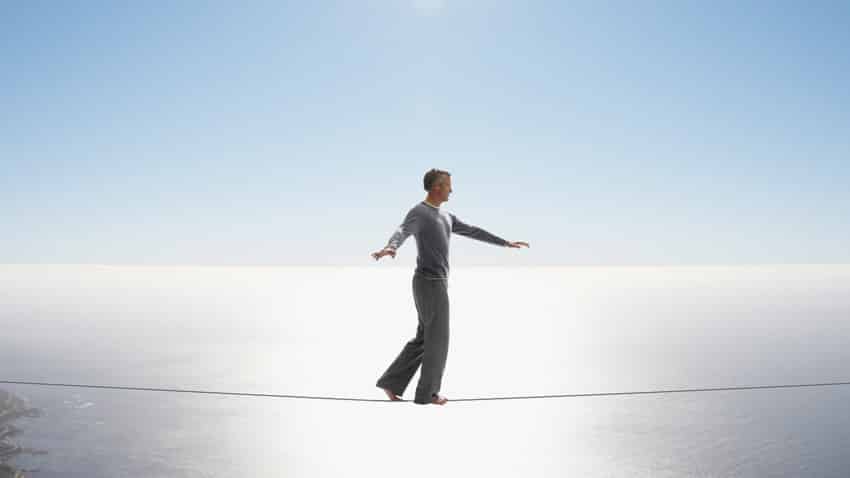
pixel 299 132
pixel 514 331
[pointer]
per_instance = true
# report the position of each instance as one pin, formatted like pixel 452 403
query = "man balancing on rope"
pixel 432 227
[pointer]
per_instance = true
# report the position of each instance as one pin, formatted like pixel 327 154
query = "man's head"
pixel 438 183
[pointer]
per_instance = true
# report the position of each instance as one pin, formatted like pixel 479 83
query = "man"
pixel 432 226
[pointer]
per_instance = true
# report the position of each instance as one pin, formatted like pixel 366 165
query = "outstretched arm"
pixel 474 232
pixel 407 227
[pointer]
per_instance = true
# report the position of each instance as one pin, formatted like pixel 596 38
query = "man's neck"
pixel 435 206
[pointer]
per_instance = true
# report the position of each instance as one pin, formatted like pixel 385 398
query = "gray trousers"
pixel 429 347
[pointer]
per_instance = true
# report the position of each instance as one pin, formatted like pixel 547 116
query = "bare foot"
pixel 393 397
pixel 439 399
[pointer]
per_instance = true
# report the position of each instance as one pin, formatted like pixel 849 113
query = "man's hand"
pixel 517 244
pixel 383 252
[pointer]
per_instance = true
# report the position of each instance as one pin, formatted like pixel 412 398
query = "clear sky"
pixel 298 132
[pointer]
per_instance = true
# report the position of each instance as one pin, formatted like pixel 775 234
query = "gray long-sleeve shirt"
pixel 433 228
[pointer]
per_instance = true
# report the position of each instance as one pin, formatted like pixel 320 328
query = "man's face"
pixel 444 188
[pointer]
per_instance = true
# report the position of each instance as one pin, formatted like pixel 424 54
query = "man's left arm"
pixel 474 232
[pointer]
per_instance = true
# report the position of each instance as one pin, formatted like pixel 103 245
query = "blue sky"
pixel 298 132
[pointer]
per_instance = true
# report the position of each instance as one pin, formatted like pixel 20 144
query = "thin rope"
pixel 526 397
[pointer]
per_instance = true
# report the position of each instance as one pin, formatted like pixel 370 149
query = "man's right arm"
pixel 409 226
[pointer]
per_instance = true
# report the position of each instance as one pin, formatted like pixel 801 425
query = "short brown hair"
pixel 432 176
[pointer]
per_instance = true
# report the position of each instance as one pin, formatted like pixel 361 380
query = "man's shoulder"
pixel 415 211
pixel 421 206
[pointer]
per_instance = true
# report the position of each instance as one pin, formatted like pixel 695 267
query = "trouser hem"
pixel 393 389
pixel 419 401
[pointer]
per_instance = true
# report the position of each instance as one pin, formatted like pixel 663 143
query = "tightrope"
pixel 473 399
